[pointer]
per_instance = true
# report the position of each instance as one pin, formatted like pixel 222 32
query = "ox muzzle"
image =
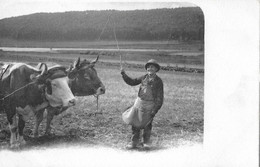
pixel 101 90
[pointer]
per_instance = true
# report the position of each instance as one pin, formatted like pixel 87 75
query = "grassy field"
pixel 179 122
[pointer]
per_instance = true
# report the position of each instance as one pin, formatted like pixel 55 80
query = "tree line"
pixel 182 24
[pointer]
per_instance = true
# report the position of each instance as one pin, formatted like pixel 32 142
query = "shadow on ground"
pixel 56 141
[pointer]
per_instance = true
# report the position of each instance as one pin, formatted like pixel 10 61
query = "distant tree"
pixel 181 24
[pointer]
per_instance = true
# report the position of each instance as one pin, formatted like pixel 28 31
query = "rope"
pixel 104 28
pixel 98 40
pixel 117 45
pixel 96 96
pixel 117 49
pixel 17 90
pixel 114 36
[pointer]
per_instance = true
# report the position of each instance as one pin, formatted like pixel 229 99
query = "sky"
pixel 11 8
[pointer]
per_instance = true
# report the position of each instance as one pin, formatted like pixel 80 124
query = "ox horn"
pixel 94 61
pixel 76 63
pixel 69 69
pixel 39 65
pixel 43 67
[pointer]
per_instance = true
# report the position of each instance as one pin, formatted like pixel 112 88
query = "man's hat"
pixel 153 62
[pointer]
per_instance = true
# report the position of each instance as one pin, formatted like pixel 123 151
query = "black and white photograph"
pixel 169 83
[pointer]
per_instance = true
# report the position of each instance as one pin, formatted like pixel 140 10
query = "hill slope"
pixel 156 24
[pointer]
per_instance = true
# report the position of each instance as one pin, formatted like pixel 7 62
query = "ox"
pixel 27 90
pixel 85 82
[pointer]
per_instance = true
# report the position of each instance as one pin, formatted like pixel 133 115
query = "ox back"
pixel 17 76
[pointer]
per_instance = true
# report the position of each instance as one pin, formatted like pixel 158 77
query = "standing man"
pixel 147 104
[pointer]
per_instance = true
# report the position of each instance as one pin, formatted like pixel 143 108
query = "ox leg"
pixel 21 125
pixel 11 117
pixel 50 115
pixel 39 118
pixel 13 129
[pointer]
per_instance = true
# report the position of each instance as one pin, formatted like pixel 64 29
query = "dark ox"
pixel 85 82
pixel 27 90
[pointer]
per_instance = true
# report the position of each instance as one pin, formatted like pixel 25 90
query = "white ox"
pixel 26 90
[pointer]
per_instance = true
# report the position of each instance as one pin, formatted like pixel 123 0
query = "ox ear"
pixel 91 65
pixel 33 77
pixel 71 72
pixel 94 61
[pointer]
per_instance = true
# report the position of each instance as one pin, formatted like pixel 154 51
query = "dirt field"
pixel 179 122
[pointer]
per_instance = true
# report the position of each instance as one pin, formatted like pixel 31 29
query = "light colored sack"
pixel 139 114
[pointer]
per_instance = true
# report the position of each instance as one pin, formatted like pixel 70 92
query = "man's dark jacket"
pixel 157 89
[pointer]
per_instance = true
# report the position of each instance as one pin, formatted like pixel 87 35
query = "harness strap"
pixel 17 90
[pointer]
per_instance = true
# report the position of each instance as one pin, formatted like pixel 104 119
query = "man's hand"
pixel 122 70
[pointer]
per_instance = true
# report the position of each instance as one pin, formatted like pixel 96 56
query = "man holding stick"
pixel 149 101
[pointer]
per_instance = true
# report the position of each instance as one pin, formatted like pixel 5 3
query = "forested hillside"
pixel 157 24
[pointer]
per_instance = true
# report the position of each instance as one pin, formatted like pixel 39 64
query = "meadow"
pixel 179 121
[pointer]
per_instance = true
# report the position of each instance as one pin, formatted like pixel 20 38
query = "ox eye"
pixel 54 85
pixel 87 77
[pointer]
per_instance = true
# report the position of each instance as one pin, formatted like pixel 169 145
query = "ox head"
pixel 55 81
pixel 85 79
